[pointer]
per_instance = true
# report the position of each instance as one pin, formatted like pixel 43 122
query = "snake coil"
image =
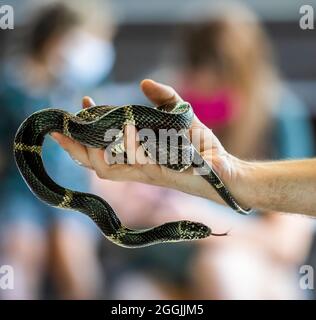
pixel 88 127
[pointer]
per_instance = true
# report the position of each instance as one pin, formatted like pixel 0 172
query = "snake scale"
pixel 88 127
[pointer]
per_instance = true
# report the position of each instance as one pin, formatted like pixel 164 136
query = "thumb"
pixel 87 102
pixel 159 93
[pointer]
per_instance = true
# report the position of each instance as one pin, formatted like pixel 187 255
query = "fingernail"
pixel 148 80
pixel 89 100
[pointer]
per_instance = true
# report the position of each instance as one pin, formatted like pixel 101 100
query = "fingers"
pixel 159 93
pixel 76 150
pixel 135 152
pixel 95 156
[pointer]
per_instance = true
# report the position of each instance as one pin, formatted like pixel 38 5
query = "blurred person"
pixel 231 81
pixel 61 51
pixel 230 77
pixel 234 88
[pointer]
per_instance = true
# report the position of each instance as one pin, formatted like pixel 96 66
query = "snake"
pixel 89 127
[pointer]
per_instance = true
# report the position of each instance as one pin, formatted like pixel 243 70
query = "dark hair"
pixel 50 22
pixel 234 46
pixel 202 44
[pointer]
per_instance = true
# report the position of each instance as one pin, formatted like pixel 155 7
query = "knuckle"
pixel 100 173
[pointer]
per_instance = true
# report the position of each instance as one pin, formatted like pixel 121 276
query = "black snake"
pixel 88 127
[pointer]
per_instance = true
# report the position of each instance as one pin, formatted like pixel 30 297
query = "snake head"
pixel 189 230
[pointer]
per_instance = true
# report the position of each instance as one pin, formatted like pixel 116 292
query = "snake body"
pixel 88 127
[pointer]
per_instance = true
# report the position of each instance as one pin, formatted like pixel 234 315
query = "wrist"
pixel 243 183
pixel 237 175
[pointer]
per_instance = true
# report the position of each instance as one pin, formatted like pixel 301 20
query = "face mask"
pixel 86 60
pixel 216 110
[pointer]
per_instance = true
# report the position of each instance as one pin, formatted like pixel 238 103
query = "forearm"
pixel 286 186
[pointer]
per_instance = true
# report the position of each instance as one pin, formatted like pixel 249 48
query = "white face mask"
pixel 86 60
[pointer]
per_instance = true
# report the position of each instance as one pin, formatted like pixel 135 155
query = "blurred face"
pixel 80 58
pixel 214 103
pixel 204 79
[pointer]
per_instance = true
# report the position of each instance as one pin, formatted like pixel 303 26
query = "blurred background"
pixel 248 70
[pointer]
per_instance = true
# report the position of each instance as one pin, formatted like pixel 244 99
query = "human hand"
pixel 226 166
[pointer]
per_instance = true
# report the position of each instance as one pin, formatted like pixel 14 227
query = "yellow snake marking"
pixel 118 148
pixel 66 200
pixel 84 114
pixel 116 237
pixel 182 232
pixel 65 126
pixel 129 115
pixel 220 185
pixel 23 147
pixel 185 168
